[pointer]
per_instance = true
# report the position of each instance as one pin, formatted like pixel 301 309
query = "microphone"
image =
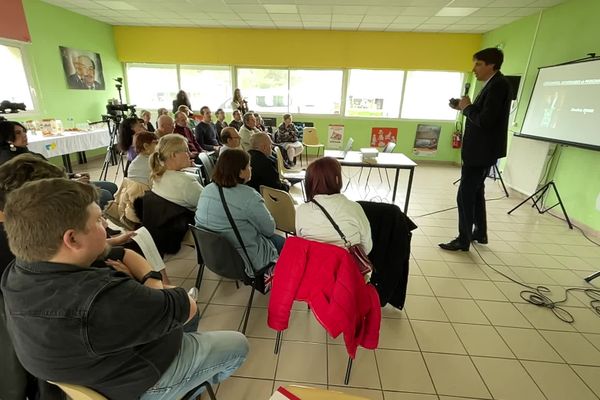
pixel 467 87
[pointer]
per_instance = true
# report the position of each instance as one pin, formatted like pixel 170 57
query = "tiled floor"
pixel 465 332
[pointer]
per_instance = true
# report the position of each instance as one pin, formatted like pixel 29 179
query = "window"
pixel 427 93
pixel 152 86
pixel 207 86
pixel 374 93
pixel 315 91
pixel 14 84
pixel 265 89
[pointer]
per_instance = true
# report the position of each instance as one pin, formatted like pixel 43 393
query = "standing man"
pixel 483 144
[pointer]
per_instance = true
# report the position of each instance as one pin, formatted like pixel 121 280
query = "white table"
pixel 67 143
pixel 395 161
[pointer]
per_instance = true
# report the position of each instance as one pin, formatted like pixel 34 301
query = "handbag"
pixel 356 250
pixel 263 279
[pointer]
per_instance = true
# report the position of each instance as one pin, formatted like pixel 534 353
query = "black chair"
pixel 215 252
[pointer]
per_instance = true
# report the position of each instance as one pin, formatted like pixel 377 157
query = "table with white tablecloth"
pixel 68 143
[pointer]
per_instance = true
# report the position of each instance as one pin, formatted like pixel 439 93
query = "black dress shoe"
pixel 481 239
pixel 454 245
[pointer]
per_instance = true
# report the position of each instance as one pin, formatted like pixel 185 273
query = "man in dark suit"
pixel 484 143
pixel 264 166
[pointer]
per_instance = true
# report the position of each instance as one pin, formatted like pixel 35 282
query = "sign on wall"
pixel 83 69
pixel 335 136
pixel 426 140
pixel 382 136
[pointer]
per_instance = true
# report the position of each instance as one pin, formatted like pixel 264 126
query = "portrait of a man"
pixel 83 69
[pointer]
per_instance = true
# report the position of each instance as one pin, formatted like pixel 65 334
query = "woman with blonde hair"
pixel 168 180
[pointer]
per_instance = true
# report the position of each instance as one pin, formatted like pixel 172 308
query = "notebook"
pixel 341 154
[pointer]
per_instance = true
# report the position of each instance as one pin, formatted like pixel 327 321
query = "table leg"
pixel 408 189
pixel 67 163
pixel 395 185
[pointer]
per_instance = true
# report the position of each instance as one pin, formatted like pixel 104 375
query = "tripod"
pixel 541 192
pixel 111 152
pixel 495 174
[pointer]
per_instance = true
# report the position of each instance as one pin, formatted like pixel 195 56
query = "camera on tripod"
pixel 13 107
pixel 120 109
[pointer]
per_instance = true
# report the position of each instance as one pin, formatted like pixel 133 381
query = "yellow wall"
pixel 297 48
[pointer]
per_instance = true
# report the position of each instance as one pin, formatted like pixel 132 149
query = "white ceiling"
pixel 350 15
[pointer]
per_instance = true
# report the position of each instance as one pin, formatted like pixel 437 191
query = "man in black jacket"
pixel 264 166
pixel 483 144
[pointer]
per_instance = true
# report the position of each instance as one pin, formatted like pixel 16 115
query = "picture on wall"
pixel 83 69
pixel 380 137
pixel 426 140
pixel 335 136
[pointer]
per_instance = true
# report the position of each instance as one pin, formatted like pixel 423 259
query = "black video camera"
pixel 454 102
pixel 120 109
pixel 13 107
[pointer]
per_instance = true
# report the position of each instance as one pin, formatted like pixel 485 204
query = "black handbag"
pixel 263 279
pixel 356 250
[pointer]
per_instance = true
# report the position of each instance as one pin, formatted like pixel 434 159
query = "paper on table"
pixel 146 243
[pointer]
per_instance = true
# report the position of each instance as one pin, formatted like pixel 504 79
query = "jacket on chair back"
pixel 327 278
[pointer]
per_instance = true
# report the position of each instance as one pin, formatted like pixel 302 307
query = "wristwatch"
pixel 151 275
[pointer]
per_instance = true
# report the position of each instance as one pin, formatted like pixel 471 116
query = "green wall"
pixel 51 27
pixel 567 31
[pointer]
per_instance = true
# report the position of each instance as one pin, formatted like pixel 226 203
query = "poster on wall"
pixel 83 69
pixel 335 136
pixel 426 140
pixel 380 137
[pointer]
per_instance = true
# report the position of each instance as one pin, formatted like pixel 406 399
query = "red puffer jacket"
pixel 327 278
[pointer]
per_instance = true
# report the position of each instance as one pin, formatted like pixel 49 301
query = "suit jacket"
pixel 75 83
pixel 486 127
pixel 264 172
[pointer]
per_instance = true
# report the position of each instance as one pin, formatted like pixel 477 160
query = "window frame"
pixel 30 75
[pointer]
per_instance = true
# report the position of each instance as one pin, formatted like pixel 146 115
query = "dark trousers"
pixel 471 203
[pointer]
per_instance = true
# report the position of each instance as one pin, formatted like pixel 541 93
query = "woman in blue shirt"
pixel 251 217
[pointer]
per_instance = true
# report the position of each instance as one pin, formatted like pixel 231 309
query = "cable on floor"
pixel 538 295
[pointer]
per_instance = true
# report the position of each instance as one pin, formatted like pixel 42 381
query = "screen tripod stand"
pixel 538 201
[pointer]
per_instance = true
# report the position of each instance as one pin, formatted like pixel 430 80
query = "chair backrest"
pixel 281 206
pixel 208 166
pixel 219 255
pixel 279 161
pixel 389 147
pixel 310 136
pixel 77 392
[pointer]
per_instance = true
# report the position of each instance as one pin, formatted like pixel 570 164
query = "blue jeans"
pixel 278 241
pixel 206 356
pixel 106 192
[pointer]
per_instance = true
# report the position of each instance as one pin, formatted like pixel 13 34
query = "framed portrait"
pixel 83 69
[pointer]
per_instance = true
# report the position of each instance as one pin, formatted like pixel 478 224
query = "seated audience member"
pixel 181 127
pixel 161 111
pixel 168 179
pixel 137 181
pixel 128 129
pixel 236 122
pixel 206 132
pixel 146 115
pixel 181 99
pixel 253 220
pixel 13 141
pixel 191 121
pixel 164 125
pixel 264 165
pixel 323 184
pixel 139 170
pixel 287 136
pixel 110 325
pixel 220 124
pixel 230 139
pixel 260 123
pixel 247 130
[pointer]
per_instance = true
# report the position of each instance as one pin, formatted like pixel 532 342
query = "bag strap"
pixel 235 229
pixel 337 228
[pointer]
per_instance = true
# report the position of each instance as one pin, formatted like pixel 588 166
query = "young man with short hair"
pixel 111 326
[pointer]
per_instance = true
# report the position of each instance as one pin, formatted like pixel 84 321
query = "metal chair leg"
pixel 237 285
pixel 592 277
pixel 348 370
pixel 210 391
pixel 277 342
pixel 199 276
pixel 247 313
